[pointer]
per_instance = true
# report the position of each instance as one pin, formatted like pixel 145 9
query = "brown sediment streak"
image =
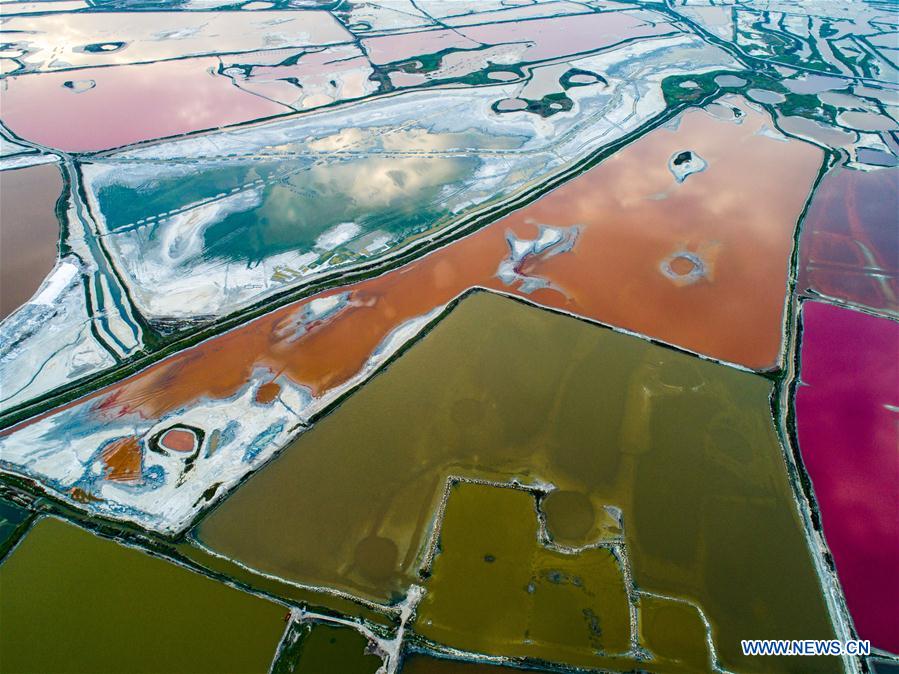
pixel 122 459
pixel 120 105
pixel 78 494
pixel 737 217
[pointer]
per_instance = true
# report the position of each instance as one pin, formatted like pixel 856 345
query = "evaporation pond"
pixel 29 233
pixel 685 450
pixel 73 602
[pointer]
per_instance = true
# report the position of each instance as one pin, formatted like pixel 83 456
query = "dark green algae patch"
pixel 13 522
pixel 73 602
pixel 319 648
pixel 676 455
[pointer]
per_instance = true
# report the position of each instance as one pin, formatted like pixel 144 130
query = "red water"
pixel 178 440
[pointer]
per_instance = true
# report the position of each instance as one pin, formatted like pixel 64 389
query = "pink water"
pixel 127 104
pixel 847 412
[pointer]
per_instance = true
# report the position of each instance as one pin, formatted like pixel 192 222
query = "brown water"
pixel 501 391
pixel 29 231
pixel 72 602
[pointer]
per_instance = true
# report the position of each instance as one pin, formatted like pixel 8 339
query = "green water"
pixel 684 449
pixel 406 186
pixel 124 200
pixel 327 649
pixel 397 197
pixel 11 518
pixel 496 589
pixel 72 602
